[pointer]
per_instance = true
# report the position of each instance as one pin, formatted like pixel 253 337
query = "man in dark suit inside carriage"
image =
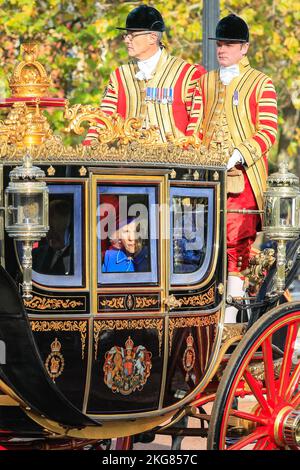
pixel 54 255
pixel 154 86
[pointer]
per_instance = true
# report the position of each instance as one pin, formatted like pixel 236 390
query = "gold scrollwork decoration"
pixel 232 330
pixel 116 303
pixel 110 128
pixel 171 302
pixel 191 140
pixel 259 264
pixel 24 125
pixel 145 302
pixel 199 300
pixel 188 322
pixel 131 131
pixel 45 303
pixel 60 325
pixel 147 323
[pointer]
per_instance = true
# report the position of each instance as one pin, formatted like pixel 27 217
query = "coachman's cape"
pixel 170 100
pixel 248 107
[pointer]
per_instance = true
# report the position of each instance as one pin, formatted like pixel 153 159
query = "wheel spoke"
pixel 245 441
pixel 269 369
pixel 296 400
pixel 262 443
pixel 248 416
pixel 287 358
pixel 257 392
pixel 294 382
pixel 269 445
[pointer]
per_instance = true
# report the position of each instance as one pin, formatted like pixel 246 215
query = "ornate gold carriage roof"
pixel 124 142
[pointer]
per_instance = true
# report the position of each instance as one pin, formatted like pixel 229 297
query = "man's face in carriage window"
pixel 230 53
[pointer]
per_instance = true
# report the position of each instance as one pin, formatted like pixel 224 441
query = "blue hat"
pixel 122 222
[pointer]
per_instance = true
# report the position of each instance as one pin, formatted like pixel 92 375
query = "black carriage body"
pixel 129 343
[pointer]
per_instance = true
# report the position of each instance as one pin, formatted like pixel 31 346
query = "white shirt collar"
pixel 146 67
pixel 229 73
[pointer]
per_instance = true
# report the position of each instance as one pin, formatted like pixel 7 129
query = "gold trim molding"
pixel 148 323
pixel 53 150
pixel 57 325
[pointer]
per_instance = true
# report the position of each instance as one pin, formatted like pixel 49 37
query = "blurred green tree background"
pixel 80 46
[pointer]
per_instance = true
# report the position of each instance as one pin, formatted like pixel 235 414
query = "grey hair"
pixel 159 35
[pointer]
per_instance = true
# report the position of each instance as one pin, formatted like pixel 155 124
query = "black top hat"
pixel 144 18
pixel 232 28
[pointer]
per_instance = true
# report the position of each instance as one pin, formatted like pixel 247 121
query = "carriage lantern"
pixel 26 213
pixel 282 215
pixel 26 127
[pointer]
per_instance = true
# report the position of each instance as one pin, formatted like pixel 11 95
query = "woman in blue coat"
pixel 130 256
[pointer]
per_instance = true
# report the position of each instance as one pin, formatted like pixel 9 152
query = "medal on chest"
pixel 235 99
pixel 160 95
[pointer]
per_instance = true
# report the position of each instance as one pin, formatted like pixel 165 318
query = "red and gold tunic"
pixel 250 108
pixel 173 104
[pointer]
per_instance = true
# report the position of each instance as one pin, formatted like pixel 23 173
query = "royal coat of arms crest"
pixel 189 357
pixel 55 362
pixel 127 369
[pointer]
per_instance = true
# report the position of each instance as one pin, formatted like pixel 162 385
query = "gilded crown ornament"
pixel 26 126
pixel 55 346
pixel 29 77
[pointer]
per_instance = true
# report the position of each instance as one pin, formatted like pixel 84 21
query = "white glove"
pixel 235 158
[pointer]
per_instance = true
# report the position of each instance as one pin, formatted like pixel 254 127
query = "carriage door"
pixel 129 220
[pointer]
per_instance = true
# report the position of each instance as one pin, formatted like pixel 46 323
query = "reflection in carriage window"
pixel 126 234
pixel 189 232
pixel 192 233
pixel 54 253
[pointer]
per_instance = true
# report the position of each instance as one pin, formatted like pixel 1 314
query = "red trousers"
pixel 241 228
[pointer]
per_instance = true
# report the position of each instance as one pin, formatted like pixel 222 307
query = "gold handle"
pixel 171 302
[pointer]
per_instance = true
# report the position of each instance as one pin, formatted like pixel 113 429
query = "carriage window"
pixel 57 258
pixel 191 233
pixel 127 241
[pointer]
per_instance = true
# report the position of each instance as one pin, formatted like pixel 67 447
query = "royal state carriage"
pixel 121 327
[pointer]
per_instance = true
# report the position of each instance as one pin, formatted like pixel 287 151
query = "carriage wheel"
pixel 258 399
